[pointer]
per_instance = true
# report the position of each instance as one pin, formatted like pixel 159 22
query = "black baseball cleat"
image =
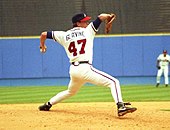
pixel 166 85
pixel 157 84
pixel 123 109
pixel 45 107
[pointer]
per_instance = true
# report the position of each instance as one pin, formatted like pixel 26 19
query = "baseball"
pixel 41 50
pixel 45 49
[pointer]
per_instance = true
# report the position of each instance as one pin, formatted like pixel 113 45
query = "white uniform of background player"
pixel 78 44
pixel 163 61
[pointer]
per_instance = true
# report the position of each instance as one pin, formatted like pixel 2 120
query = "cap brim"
pixel 85 19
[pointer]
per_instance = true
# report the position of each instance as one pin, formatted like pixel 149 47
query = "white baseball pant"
pixel 85 73
pixel 163 69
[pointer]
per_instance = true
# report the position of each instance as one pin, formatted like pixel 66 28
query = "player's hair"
pixel 75 25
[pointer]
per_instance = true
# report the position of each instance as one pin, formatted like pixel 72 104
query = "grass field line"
pixel 34 94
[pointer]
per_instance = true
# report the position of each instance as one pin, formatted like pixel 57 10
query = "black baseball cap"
pixel 81 17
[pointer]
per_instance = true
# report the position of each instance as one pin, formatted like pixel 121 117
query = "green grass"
pixel 31 94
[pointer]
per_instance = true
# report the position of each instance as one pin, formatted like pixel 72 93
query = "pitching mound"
pixel 85 116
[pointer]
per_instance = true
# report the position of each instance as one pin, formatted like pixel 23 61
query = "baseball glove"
pixel 158 67
pixel 109 22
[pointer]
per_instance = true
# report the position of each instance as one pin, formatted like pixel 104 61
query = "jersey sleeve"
pixel 159 57
pixel 58 36
pixel 96 23
pixel 91 29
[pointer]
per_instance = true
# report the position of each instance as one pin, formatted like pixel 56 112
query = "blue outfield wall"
pixel 116 55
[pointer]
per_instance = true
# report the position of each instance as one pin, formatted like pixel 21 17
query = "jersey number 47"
pixel 72 47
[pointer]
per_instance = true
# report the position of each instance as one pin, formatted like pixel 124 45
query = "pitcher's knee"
pixel 71 93
pixel 114 83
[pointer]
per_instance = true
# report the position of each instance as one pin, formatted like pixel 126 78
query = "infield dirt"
pixel 85 116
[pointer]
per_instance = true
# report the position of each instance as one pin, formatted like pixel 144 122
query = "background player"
pixel 78 44
pixel 163 61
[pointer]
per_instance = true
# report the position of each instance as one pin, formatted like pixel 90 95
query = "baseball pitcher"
pixel 78 44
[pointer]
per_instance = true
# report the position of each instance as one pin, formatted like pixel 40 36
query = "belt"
pixel 79 62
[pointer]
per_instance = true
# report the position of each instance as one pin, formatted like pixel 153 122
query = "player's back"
pixel 78 43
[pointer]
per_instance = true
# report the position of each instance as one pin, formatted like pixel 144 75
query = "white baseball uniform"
pixel 164 62
pixel 78 44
